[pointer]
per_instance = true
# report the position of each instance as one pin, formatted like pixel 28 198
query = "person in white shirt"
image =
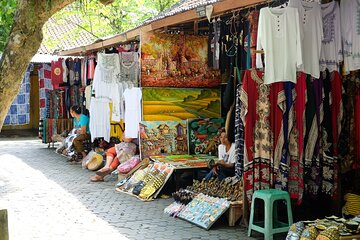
pixel 225 167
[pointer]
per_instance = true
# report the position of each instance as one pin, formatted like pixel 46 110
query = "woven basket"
pixel 96 162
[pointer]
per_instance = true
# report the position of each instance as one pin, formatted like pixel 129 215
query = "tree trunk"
pixel 23 43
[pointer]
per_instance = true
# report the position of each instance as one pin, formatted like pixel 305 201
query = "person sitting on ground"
pixel 120 153
pixel 225 167
pixel 81 124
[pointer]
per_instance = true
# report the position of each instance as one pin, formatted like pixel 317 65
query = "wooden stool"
pixel 235 212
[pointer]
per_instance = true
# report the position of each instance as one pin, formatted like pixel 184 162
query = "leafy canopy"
pixel 7 12
pixel 97 19
pixel 102 21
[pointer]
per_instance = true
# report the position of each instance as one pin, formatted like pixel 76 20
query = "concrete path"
pixel 48 198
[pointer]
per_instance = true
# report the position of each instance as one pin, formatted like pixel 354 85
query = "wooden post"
pixel 196 27
pixel 4 232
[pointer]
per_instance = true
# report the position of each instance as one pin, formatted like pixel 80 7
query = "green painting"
pixel 161 104
pixel 204 135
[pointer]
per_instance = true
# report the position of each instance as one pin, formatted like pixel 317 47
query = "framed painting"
pixel 175 60
pixel 160 104
pixel 204 135
pixel 163 137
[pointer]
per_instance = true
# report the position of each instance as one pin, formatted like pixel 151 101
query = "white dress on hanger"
pixel 310 18
pixel 350 26
pixel 279 35
pixel 129 67
pixel 132 98
pixel 100 118
pixel 331 49
pixel 107 72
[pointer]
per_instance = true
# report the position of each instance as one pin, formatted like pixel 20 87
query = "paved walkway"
pixel 48 198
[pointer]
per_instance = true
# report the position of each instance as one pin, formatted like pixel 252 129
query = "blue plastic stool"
pixel 269 227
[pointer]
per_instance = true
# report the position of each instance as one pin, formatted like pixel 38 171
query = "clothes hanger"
pixel 277 4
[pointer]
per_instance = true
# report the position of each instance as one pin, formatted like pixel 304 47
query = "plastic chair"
pixel 271 225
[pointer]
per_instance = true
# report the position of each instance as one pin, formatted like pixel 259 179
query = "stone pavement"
pixel 48 198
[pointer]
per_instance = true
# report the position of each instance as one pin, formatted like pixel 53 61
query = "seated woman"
pixel 114 156
pixel 81 124
pixel 225 167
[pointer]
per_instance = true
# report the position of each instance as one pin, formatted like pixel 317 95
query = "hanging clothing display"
pixel 279 35
pixel 336 110
pixel 214 43
pixel 56 73
pixel 100 118
pixel 350 27
pixel 132 98
pixel 296 141
pixel 51 127
pixel 84 71
pixel 19 111
pixel 331 48
pixel 258 168
pixel 71 73
pixel 106 71
pixel 107 74
pixel 311 29
pixel 87 96
pixel 77 71
pixel 64 71
pixel 129 67
pixel 45 85
pixel 239 136
pixel 253 25
pixel 314 117
pixel 91 66
pixel 327 160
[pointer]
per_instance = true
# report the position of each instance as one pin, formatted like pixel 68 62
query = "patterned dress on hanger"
pixel 258 168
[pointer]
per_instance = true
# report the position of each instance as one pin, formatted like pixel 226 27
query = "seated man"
pixel 114 156
pixel 225 167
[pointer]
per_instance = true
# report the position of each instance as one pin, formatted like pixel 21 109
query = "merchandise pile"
pixel 146 183
pixel 228 188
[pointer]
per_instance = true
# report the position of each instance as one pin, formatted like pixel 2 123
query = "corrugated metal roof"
pixel 62 34
pixel 43 58
pixel 182 6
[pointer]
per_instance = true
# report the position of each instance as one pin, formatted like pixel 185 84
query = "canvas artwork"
pixel 204 135
pixel 175 60
pixel 204 210
pixel 160 104
pixel 163 137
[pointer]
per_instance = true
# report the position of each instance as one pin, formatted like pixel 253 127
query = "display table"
pixel 352 237
pixel 182 163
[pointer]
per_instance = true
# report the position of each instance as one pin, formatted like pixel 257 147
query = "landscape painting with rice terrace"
pixel 161 104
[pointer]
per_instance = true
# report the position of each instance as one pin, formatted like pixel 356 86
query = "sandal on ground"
pixel 103 172
pixel 74 162
pixel 96 178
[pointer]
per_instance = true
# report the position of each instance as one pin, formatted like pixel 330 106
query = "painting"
pixel 204 135
pixel 163 137
pixel 162 104
pixel 176 60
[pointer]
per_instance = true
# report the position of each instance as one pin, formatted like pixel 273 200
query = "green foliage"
pixel 102 21
pixel 213 106
pixel 7 12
